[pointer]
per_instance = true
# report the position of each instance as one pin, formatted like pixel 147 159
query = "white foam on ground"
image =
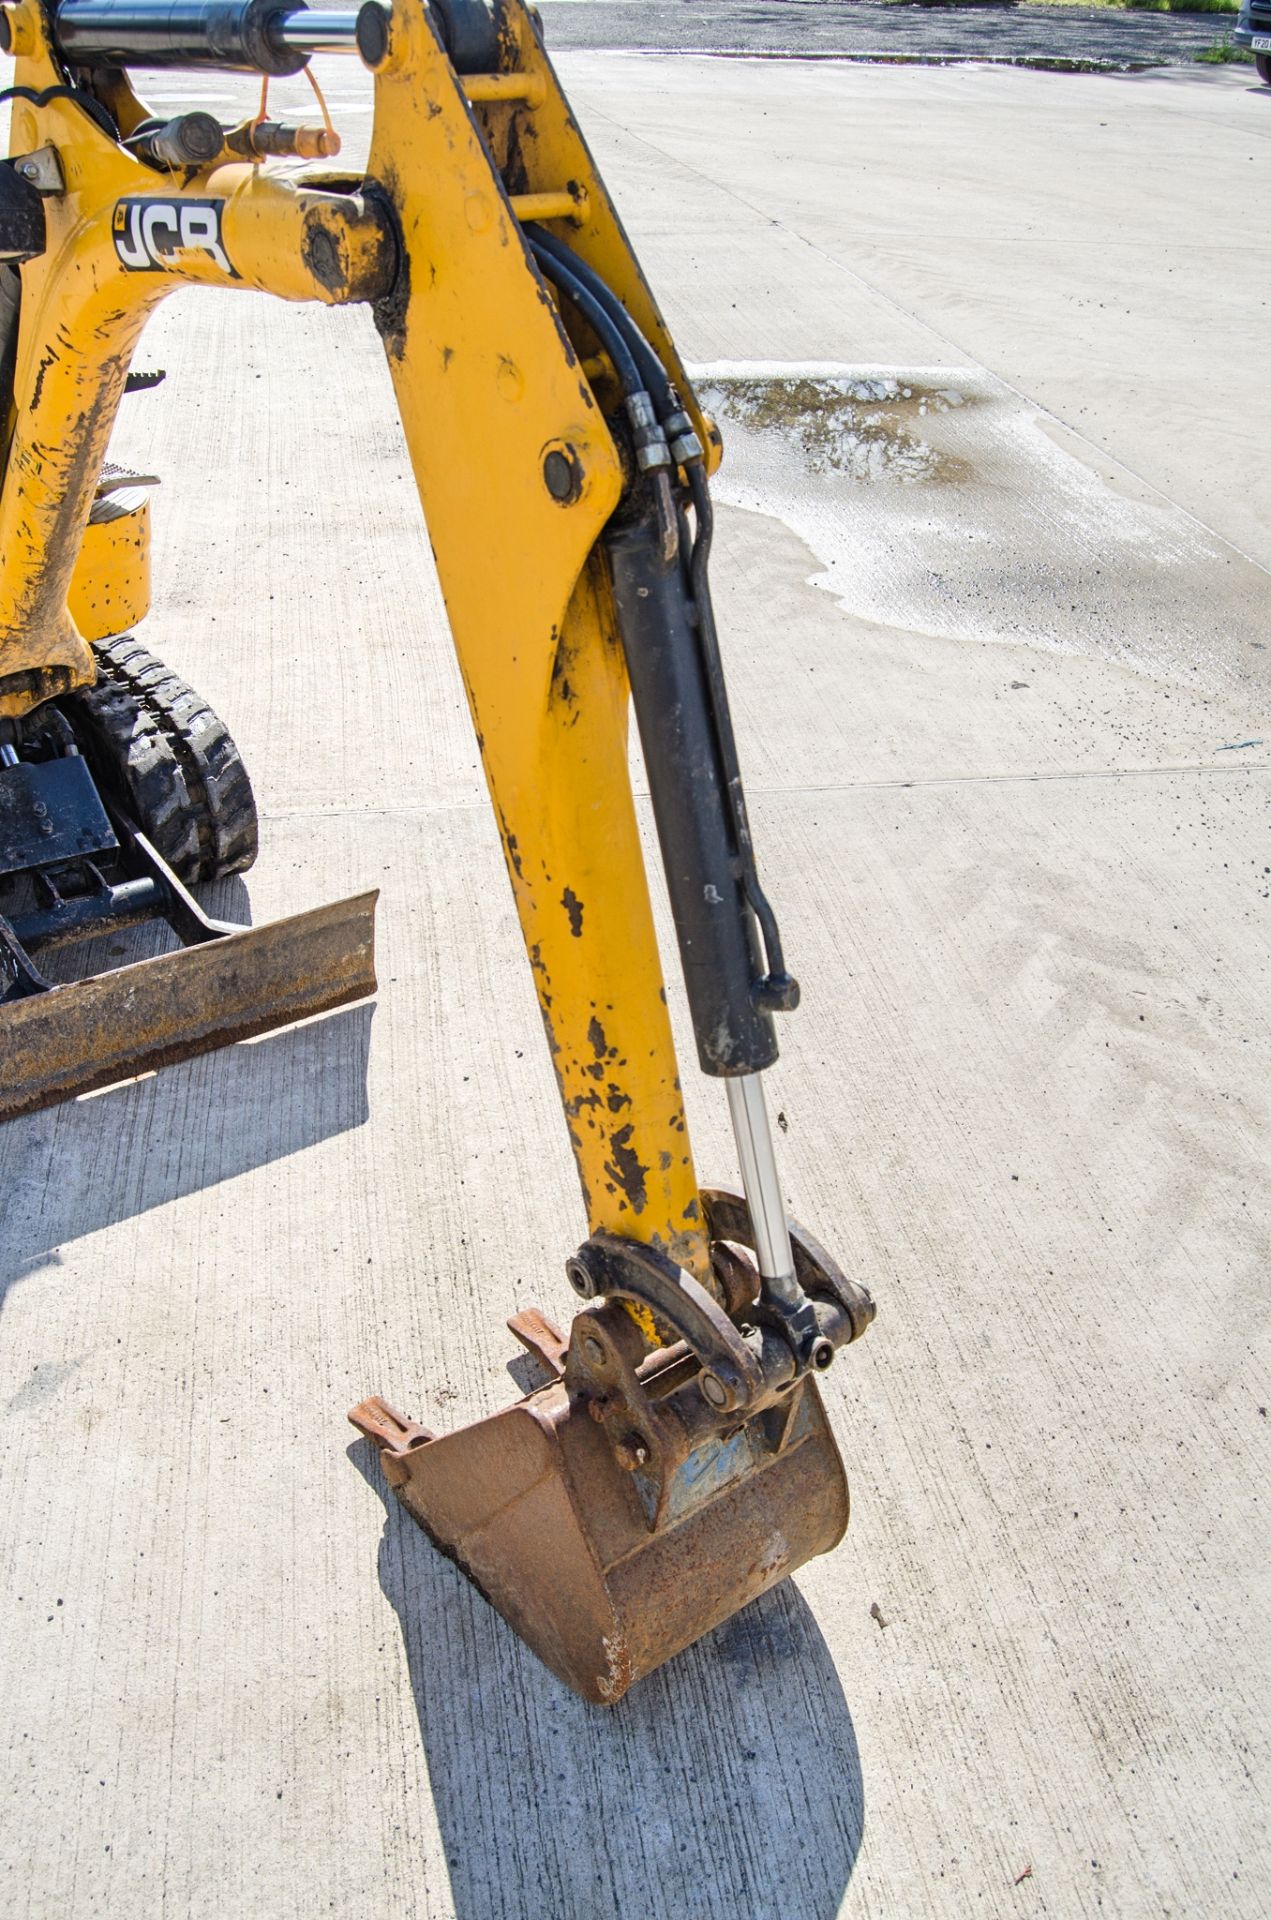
pixel 974 514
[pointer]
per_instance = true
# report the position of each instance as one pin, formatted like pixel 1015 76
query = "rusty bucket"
pixel 639 1499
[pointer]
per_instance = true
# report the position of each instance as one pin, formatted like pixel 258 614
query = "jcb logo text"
pixel 152 236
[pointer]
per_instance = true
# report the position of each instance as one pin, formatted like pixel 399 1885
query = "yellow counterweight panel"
pixel 110 587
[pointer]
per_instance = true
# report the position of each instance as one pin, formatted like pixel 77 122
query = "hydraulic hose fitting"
pixel 651 451
pixel 778 992
pixel 686 448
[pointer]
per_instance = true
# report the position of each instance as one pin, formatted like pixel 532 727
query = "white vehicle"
pixel 1253 30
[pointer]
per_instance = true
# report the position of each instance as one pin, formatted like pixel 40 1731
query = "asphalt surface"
pixel 823 28
pixel 992 553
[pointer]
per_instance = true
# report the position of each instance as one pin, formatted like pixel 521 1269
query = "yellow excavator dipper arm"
pixel 678 1462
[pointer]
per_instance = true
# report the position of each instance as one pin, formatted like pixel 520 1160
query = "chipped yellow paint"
pixel 643 1317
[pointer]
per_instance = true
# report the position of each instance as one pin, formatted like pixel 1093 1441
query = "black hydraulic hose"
pixel 575 277
pixel 84 101
pixel 654 377
pixel 780 989
pixel 595 313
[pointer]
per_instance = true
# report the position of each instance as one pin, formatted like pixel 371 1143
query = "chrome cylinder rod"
pixel 308 31
pixel 759 1177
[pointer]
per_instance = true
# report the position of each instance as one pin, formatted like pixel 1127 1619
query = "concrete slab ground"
pixel 991 572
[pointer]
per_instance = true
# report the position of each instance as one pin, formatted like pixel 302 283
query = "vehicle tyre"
pixel 1262 61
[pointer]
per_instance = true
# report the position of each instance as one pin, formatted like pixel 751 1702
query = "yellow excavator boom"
pixel 677 1461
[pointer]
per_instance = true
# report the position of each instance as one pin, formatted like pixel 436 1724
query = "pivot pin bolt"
pixel 562 474
pixel 578 1277
pixel 631 1453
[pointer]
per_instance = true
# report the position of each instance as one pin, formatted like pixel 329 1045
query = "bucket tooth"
pixel 541 1337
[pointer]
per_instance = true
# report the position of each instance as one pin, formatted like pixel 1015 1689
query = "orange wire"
pixel 332 135
pixel 253 124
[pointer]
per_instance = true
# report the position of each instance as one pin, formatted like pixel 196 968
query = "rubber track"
pixel 126 750
pixel 208 815
pixel 213 768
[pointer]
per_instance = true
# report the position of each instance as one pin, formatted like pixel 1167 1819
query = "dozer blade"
pixel 75 1038
pixel 542 1517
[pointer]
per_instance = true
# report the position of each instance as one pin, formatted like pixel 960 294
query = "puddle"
pixel 865 427
pixel 941 501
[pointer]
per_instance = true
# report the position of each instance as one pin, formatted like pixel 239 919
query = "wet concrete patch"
pixel 942 502
pixel 870 428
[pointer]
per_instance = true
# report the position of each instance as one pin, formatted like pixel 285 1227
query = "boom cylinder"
pixel 250 36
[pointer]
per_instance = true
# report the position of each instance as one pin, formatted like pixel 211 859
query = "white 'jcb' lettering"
pixel 130 251
pixel 156 219
pixel 152 234
pixel 199 229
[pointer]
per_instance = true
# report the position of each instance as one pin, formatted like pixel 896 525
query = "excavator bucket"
pixel 614 1516
pixel 59 1041
pixel 534 1509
